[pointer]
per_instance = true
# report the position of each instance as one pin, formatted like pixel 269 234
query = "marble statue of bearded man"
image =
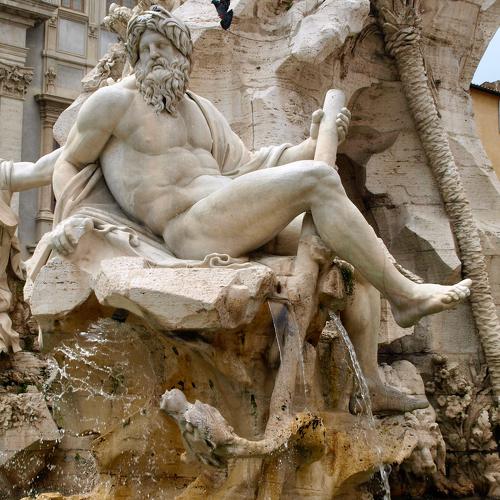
pixel 151 169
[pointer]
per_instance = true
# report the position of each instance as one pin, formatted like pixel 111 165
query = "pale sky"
pixel 489 67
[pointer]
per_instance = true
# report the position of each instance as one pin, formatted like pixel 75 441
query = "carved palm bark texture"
pixel 401 24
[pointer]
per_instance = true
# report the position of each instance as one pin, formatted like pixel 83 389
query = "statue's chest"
pixel 152 133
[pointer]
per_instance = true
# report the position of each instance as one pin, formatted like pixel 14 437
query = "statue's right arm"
pixel 94 126
pixel 28 175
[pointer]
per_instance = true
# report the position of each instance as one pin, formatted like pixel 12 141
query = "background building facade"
pixel 46 48
pixel 486 104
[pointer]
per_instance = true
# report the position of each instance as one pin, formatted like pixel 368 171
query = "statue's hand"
pixel 343 120
pixel 67 234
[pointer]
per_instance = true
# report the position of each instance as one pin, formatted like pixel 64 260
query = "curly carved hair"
pixel 162 21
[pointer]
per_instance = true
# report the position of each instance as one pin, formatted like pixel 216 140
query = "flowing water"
pixel 99 378
pixel 278 314
pixel 286 327
pixel 364 396
pixel 93 366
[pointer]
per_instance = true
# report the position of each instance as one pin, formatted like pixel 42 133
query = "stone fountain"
pixel 207 317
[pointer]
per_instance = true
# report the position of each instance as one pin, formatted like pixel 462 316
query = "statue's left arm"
pixel 306 149
pixel 235 159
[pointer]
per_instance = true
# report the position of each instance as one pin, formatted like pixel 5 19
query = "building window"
pixel 72 37
pixel 70 77
pixel 73 4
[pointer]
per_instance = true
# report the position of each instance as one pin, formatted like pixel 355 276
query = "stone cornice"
pixel 38 10
pixel 51 106
pixel 14 80
pixel 10 54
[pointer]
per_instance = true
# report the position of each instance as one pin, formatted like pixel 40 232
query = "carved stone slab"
pixel 183 299
pixel 59 288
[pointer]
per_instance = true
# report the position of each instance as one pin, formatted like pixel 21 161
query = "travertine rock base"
pixel 28 435
pixel 106 392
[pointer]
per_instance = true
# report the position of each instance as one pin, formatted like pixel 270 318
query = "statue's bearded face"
pixel 161 72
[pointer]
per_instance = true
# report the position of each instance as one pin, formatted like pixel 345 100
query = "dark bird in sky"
pixel 226 15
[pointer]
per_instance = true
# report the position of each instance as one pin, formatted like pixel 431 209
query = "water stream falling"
pixel 278 310
pixel 364 394
pixel 285 323
pixel 286 327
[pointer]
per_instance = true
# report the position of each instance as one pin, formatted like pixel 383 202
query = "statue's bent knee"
pixel 323 172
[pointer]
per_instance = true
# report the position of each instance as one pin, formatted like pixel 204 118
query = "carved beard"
pixel 162 83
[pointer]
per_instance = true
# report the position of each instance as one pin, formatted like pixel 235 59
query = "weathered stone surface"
pixel 325 30
pixel 22 370
pixel 183 299
pixel 27 437
pixel 59 496
pixel 59 288
pixel 390 331
pixel 355 450
pixel 71 468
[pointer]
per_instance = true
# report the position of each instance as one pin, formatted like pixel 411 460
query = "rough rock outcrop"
pixel 28 435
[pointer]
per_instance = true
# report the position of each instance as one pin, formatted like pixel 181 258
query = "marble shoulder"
pixel 106 106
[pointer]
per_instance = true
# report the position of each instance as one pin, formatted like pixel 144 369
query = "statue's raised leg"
pixel 254 208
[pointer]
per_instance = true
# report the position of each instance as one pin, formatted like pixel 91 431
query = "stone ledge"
pixel 168 298
pixel 185 299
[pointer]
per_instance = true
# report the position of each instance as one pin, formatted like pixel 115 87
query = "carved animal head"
pixel 428 457
pixel 174 402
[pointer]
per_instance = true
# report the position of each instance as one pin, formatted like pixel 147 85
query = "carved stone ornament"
pixel 14 80
pixel 119 16
pixel 109 69
pixel 117 19
pixel 50 80
pixel 467 417
pixel 93 31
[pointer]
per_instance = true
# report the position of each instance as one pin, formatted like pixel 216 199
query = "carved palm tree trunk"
pixel 401 25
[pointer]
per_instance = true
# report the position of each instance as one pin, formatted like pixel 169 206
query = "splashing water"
pixel 99 380
pixel 92 368
pixel 365 400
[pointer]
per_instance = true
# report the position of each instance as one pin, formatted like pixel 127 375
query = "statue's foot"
pixel 429 299
pixel 387 400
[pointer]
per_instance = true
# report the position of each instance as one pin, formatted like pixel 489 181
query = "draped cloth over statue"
pixel 115 234
pixel 10 259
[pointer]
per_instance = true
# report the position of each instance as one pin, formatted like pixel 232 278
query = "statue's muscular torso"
pixel 158 166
